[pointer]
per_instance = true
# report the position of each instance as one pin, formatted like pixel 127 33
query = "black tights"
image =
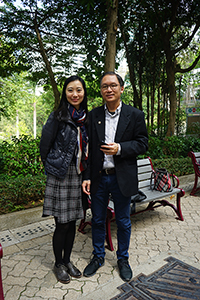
pixel 63 240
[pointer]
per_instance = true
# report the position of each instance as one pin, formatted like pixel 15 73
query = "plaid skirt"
pixel 63 196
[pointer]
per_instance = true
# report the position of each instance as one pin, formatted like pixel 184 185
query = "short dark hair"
pixel 119 78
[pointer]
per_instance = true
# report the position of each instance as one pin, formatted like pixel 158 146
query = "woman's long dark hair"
pixel 62 110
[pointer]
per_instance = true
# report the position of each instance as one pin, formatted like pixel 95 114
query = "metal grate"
pixel 175 280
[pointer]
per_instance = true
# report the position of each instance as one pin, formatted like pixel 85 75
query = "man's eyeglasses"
pixel 113 86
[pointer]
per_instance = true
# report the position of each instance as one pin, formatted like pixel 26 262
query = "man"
pixel 117 135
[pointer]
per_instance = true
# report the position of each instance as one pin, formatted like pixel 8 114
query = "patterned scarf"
pixel 78 116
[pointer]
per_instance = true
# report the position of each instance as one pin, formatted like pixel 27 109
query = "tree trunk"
pixel 152 106
pixel 34 120
pixel 17 124
pixel 163 116
pixel 112 11
pixel 158 114
pixel 148 106
pixel 172 96
pixel 131 71
pixel 49 69
pixel 140 88
pixel 179 104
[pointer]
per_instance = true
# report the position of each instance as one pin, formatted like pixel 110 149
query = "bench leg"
pixel 177 208
pixel 178 204
pixel 1 285
pixel 83 224
pixel 195 189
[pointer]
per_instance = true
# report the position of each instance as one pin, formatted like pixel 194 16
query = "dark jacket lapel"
pixel 99 122
pixel 123 122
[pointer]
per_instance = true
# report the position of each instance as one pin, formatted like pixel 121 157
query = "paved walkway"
pixel 28 258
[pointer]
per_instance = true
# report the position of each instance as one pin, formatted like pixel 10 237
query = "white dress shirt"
pixel 111 122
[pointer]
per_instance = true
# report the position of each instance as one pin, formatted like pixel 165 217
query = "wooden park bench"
pixel 195 156
pixel 1 284
pixel 154 199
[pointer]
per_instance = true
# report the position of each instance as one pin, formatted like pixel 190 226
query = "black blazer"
pixel 133 137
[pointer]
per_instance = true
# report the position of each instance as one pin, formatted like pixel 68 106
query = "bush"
pixel 172 147
pixel 21 157
pixel 194 129
pixel 22 179
pixel 176 166
pixel 16 193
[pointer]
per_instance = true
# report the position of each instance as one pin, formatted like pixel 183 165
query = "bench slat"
pixel 143 184
pixel 144 176
pixel 144 169
pixel 143 162
pixel 197 154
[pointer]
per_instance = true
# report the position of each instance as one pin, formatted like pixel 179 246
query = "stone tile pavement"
pixel 28 258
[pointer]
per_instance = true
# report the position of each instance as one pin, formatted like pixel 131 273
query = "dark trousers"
pixel 99 204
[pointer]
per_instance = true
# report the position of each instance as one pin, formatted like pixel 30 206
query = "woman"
pixel 64 152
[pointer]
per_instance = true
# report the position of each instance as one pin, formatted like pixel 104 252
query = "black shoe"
pixel 72 270
pixel 93 266
pixel 61 273
pixel 124 269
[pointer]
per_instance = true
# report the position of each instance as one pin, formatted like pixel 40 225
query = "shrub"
pixel 178 166
pixel 21 156
pixel 194 129
pixel 20 191
pixel 22 179
pixel 172 147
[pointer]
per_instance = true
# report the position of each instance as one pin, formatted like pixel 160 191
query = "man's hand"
pixel 110 149
pixel 86 186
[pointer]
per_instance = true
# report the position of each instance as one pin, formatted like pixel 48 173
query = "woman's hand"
pixel 86 186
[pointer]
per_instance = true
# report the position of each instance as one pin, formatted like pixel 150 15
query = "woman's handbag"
pixel 160 180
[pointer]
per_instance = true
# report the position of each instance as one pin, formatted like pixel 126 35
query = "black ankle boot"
pixel 61 273
pixel 72 270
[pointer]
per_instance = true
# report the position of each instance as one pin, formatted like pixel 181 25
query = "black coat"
pixel 57 145
pixel 131 134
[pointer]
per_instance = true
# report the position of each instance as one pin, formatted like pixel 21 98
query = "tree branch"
pixel 51 13
pixel 193 65
pixel 173 17
pixel 188 40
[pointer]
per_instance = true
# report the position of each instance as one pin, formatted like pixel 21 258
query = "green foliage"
pixel 18 193
pixel 9 57
pixel 155 148
pixel 176 147
pixel 21 157
pixel 18 98
pixel 178 166
pixel 53 20
pixel 194 129
pixel 127 96
pixel 22 179
pixel 94 102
